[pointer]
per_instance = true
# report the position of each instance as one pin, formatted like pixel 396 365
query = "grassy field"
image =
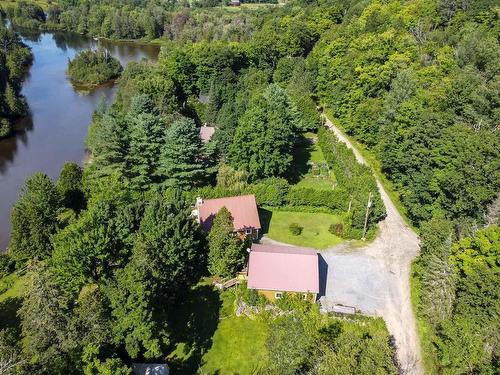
pixel 238 347
pixel 209 335
pixel 10 300
pixel 314 233
pixel 310 168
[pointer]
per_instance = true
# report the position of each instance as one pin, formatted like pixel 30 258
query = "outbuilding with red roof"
pixel 274 270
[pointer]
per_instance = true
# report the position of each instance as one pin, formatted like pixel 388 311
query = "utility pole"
pixel 368 206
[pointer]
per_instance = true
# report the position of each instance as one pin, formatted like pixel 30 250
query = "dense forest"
pixel 110 250
pixel 15 58
pixel 202 20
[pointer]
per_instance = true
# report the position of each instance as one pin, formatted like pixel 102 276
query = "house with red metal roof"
pixel 274 270
pixel 243 210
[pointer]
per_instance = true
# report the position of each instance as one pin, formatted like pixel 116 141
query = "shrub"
pixel 336 200
pixel 336 229
pixel 6 265
pixel 295 229
pixel 271 191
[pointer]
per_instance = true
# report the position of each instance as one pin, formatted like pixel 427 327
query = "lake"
pixel 60 114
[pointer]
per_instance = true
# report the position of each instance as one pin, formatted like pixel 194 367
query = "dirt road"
pixel 391 254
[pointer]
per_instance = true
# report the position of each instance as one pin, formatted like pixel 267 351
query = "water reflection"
pixel 60 114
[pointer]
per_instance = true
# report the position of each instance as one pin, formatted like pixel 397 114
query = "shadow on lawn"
pixel 196 319
pixel 301 155
pixel 8 314
pixel 265 217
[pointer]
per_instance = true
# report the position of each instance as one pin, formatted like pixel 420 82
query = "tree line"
pixel 184 22
pixel 15 58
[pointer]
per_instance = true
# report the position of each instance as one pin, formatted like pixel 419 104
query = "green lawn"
pixel 315 229
pixel 10 300
pixel 14 286
pixel 238 347
pixel 310 167
pixel 209 335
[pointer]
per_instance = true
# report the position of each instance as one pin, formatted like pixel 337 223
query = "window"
pixel 278 295
pixel 248 230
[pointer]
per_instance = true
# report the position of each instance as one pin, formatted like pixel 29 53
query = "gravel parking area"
pixel 355 279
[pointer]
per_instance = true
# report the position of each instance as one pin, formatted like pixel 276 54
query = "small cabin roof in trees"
pixel 243 210
pixel 206 133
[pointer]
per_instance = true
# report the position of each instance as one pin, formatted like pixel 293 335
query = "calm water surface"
pixel 60 114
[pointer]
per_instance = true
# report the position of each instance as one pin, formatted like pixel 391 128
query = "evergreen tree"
pixel 146 137
pixel 44 321
pixel 69 186
pixel 34 219
pixel 180 165
pixel 265 136
pixel 167 257
pixel 86 250
pixel 226 254
pixel 108 142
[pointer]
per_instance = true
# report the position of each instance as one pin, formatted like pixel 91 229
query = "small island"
pixel 93 67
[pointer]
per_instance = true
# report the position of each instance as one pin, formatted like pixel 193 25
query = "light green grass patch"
pixel 14 286
pixel 238 347
pixel 208 335
pixel 314 233
pixel 317 174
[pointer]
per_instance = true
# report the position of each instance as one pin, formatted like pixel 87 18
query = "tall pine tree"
pixel 180 164
pixel 226 254
pixel 34 219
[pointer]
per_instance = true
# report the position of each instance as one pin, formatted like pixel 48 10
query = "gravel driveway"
pixel 376 278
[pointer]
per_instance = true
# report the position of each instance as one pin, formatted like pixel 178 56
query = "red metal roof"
pixel 243 209
pixel 206 133
pixel 283 268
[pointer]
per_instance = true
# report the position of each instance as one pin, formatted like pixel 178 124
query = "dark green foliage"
pixel 94 67
pixel 88 249
pixel 15 57
pixel 265 136
pixel 355 180
pixel 421 94
pixel 336 229
pixel 70 188
pixel 227 251
pixel 180 164
pixel 6 264
pixel 145 78
pixel 295 229
pixel 34 219
pixel 270 191
pixel 45 316
pixel 167 257
pixel 146 132
pixel 27 14
pixel 459 296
